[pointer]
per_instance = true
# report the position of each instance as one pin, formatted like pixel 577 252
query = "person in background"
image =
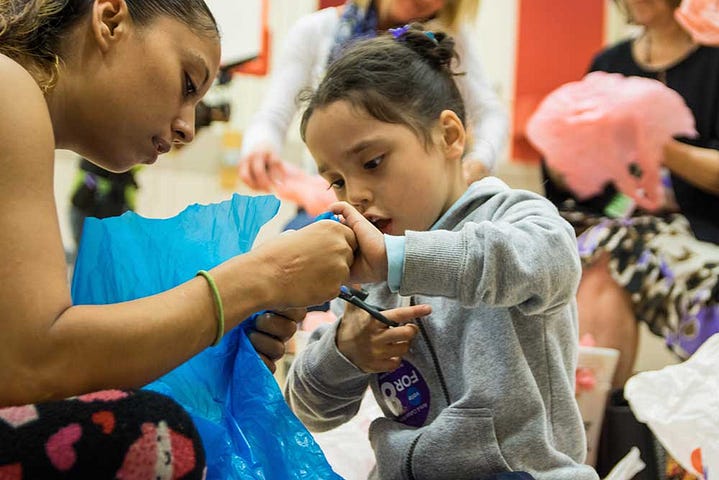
pixel 99 193
pixel 150 61
pixel 476 378
pixel 320 37
pixel 660 267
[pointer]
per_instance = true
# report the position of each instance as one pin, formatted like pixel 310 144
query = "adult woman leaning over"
pixel 657 267
pixel 117 81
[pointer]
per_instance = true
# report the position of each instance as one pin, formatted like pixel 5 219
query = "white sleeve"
pixel 292 74
pixel 487 117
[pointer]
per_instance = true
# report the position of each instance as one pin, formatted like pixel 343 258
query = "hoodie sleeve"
pixel 512 250
pixel 324 389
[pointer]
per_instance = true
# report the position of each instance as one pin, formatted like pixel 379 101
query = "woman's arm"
pixel 698 166
pixel 291 74
pixel 260 163
pixel 52 349
pixel 489 122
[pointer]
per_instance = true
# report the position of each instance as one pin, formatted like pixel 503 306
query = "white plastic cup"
pixel 710 458
pixel 592 403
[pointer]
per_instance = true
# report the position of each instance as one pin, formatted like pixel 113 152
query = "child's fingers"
pixel 392 350
pixel 401 315
pixel 407 314
pixel 352 217
pixel 402 334
pixel 343 208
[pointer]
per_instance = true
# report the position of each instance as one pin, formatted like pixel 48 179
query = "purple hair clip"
pixel 398 32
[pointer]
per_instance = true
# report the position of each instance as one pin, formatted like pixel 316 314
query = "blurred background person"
pixel 658 267
pixel 318 38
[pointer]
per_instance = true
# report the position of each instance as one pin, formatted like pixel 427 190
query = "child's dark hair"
pixel 30 30
pixel 407 80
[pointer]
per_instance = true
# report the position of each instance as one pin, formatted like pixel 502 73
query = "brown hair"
pixel 403 81
pixel 31 30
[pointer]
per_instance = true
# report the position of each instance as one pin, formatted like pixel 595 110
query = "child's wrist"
pixel 393 261
pixel 340 343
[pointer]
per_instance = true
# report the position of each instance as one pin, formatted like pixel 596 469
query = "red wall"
pixel 556 42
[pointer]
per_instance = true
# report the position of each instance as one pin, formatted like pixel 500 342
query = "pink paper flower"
pixel 311 192
pixel 701 19
pixel 610 128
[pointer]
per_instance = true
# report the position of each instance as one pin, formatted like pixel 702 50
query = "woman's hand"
pixel 271 332
pixel 305 267
pixel 370 264
pixel 371 345
pixel 261 168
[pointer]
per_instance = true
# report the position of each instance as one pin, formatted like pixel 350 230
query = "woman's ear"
pixel 454 135
pixel 110 20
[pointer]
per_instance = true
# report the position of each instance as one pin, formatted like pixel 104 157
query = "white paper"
pixel 680 404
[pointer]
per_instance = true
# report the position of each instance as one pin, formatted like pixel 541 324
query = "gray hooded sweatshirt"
pixel 488 383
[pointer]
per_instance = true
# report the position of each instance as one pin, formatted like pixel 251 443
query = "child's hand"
pixel 370 264
pixel 371 345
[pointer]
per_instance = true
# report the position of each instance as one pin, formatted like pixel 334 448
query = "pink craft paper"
pixel 701 19
pixel 311 192
pixel 597 130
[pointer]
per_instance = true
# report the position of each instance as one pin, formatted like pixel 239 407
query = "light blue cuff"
pixel 395 260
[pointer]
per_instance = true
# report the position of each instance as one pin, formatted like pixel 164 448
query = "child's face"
pixel 384 169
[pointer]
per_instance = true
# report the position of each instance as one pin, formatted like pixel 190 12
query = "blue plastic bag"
pixel 246 427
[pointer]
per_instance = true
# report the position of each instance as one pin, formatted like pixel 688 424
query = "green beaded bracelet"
pixel 218 304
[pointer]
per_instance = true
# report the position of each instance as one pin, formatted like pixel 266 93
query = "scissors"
pixel 354 296
pixel 357 297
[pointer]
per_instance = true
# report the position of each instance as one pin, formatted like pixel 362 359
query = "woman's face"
pixel 649 12
pixel 400 12
pixel 141 98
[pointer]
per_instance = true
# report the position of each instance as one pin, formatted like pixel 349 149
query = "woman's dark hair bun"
pixel 437 48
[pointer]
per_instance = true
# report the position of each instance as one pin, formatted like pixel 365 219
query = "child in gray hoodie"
pixel 478 379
